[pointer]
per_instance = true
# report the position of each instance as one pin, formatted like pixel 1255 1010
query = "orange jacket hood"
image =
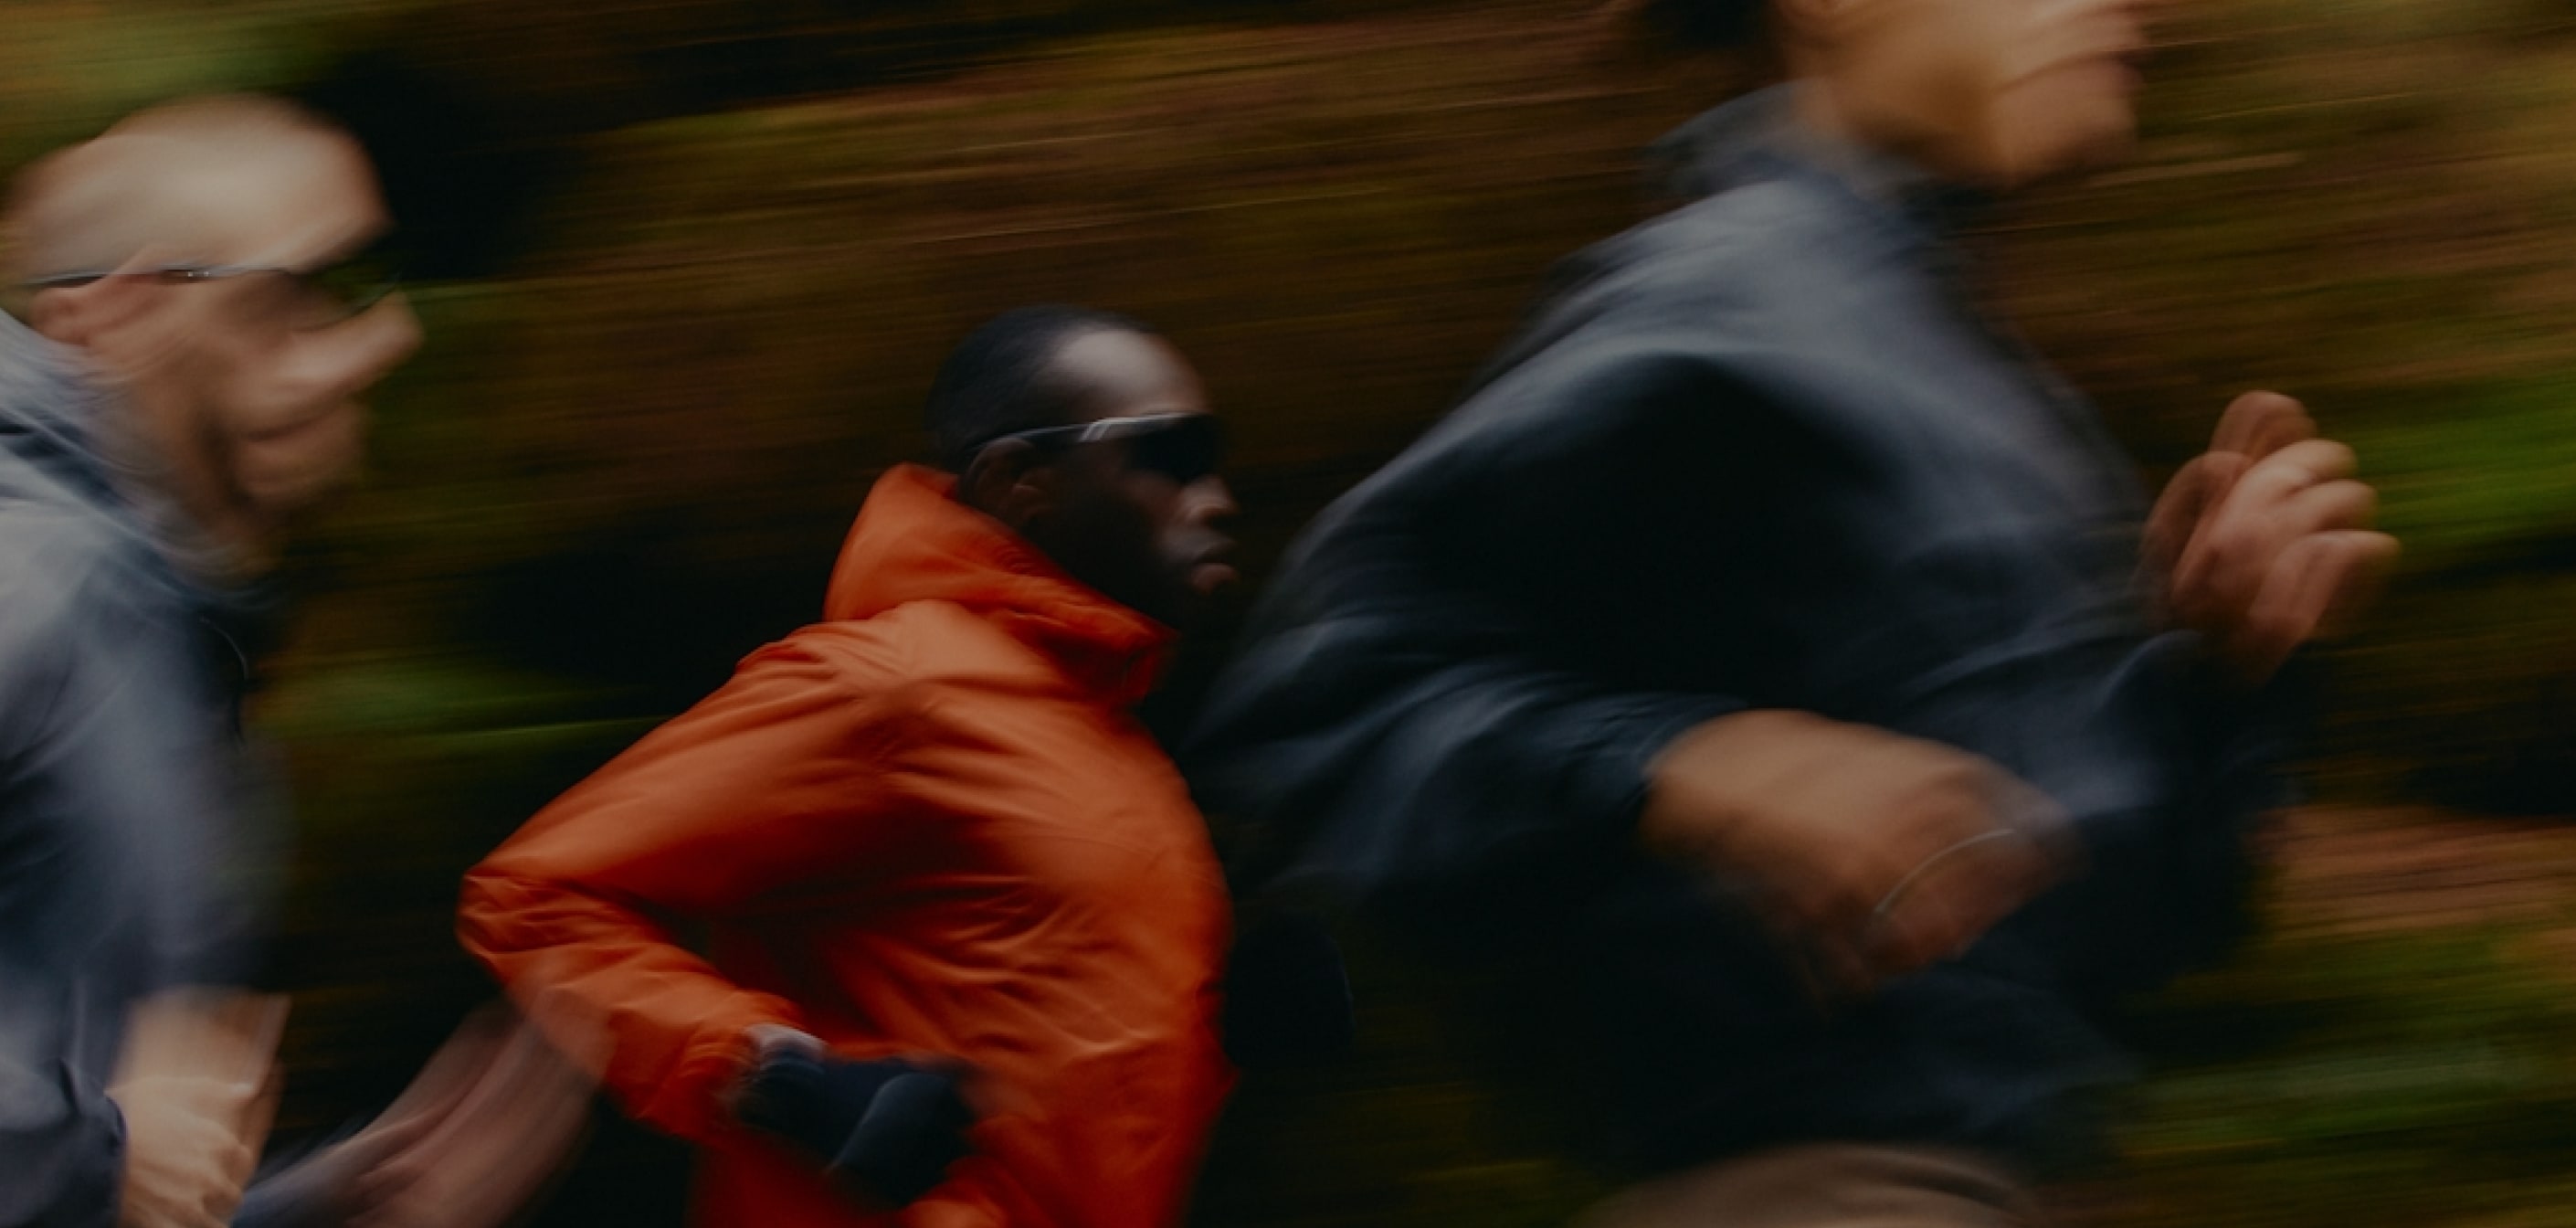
pixel 915 542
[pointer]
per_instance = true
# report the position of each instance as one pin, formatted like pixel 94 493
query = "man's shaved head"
pixel 193 181
pixel 196 255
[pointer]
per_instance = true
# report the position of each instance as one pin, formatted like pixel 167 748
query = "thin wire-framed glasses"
pixel 305 298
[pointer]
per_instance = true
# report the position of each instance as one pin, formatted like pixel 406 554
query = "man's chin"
pixel 300 498
pixel 2068 156
pixel 1206 580
pixel 287 505
pixel 1190 596
pixel 2074 121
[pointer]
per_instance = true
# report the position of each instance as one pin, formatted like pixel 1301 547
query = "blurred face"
pixel 1998 92
pixel 1136 517
pixel 250 378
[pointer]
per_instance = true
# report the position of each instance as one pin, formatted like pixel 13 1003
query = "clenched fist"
pixel 2266 538
pixel 1869 852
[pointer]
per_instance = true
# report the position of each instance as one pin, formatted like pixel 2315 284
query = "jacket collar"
pixel 1759 137
pixel 67 427
pixel 52 412
pixel 914 542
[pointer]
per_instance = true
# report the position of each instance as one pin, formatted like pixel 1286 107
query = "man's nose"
pixel 1208 499
pixel 368 346
pixel 398 336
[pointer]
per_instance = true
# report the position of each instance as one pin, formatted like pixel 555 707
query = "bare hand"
pixel 1871 852
pixel 2265 539
pixel 197 1087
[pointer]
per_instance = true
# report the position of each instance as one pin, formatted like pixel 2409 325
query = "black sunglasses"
pixel 1182 447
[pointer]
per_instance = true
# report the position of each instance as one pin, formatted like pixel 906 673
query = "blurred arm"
pixel 100 787
pixel 1417 701
pixel 774 779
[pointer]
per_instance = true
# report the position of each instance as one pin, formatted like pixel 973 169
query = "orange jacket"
pixel 927 826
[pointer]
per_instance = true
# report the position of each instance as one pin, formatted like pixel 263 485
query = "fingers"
pixel 2255 426
pixel 2199 486
pixel 185 1158
pixel 2258 424
pixel 252 1124
pixel 2303 488
pixel 2317 459
pixel 2276 479
pixel 2328 507
pixel 2315 578
pixel 2358 584
pixel 235 1161
pixel 2233 558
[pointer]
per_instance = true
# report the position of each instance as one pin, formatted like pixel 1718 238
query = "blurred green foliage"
pixel 741 235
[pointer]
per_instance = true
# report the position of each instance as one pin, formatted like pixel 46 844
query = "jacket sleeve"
pixel 1425 716
pixel 102 758
pixel 775 779
pixel 62 1142
pixel 2170 888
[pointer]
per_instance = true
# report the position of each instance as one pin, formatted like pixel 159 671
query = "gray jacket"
pixel 1764 451
pixel 121 783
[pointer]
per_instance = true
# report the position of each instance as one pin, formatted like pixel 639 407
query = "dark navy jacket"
pixel 1763 451
pixel 122 785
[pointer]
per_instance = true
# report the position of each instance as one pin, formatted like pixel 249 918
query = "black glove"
pixel 887 1130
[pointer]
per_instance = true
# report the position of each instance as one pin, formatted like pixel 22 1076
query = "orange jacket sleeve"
pixel 773 779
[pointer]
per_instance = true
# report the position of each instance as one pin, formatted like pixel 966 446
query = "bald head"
pixel 242 386
pixel 206 181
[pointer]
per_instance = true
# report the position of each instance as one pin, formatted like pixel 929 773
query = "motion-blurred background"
pixel 687 266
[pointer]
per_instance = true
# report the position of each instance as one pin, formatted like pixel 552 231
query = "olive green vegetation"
pixel 740 236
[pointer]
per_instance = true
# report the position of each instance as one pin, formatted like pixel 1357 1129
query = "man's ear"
pixel 1009 481
pixel 91 316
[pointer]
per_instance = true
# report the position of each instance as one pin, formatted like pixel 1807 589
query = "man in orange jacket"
pixel 935 856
